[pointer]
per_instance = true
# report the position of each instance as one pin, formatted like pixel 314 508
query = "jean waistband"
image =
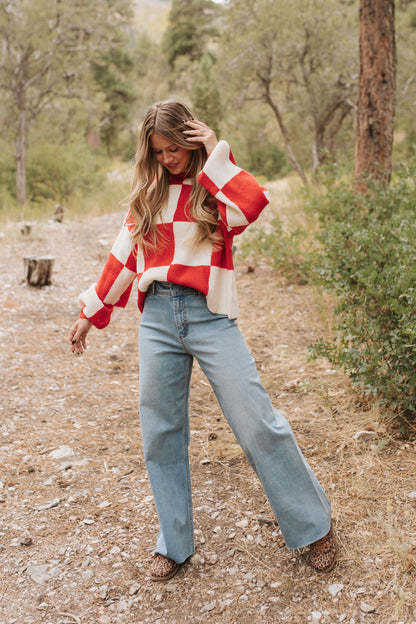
pixel 171 288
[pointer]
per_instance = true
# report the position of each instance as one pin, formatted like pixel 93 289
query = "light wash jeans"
pixel 177 326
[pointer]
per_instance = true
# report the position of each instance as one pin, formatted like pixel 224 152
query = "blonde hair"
pixel 150 185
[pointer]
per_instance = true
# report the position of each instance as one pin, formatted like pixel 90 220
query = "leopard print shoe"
pixel 163 568
pixel 323 553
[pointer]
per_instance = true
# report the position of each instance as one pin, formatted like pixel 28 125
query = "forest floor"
pixel 78 523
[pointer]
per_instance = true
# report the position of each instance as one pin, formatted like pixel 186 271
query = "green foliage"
pixel 368 261
pixel 113 72
pixel 56 171
pixel 255 144
pixel 7 171
pixel 205 94
pixel 283 250
pixel 266 158
pixel 299 58
pixel 191 25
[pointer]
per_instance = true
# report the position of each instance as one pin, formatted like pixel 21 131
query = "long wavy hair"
pixel 150 184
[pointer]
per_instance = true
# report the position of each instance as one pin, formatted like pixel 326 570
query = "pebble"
pixel 53 503
pixel 335 589
pixel 363 436
pixel 242 524
pixel 134 589
pixel 412 495
pixel 102 591
pixel 208 607
pixel 367 608
pixel 62 451
pixel 87 575
pixel 22 541
pixel 104 504
pixel 41 573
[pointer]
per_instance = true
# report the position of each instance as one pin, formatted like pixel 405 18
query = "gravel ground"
pixel 78 521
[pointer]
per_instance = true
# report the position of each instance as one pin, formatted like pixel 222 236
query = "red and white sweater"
pixel 178 259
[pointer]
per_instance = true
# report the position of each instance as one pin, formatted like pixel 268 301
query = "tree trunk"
pixel 377 88
pixel 20 153
pixel 286 140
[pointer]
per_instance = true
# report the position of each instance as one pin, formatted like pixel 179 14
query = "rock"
pixel 134 589
pixel 363 436
pixel 208 607
pixel 412 495
pixel 102 591
pixel 115 550
pixel 242 524
pixel 87 575
pixel 104 504
pixel 367 608
pixel 316 616
pixel 21 541
pixel 41 573
pixel 53 503
pixel 62 451
pixel 335 588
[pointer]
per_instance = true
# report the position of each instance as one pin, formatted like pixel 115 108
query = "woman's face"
pixel 174 158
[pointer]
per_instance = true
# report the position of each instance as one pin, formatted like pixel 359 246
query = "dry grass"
pixel 99 536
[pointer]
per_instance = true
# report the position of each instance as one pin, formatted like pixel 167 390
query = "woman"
pixel 189 199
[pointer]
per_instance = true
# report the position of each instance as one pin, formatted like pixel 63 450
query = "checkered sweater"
pixel 178 259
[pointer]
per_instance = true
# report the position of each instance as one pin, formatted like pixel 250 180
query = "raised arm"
pixel 240 197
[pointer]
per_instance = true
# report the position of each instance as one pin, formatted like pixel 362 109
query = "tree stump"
pixel 58 214
pixel 38 271
pixel 25 229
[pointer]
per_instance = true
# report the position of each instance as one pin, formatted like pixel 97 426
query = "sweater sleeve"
pixel 103 301
pixel 240 197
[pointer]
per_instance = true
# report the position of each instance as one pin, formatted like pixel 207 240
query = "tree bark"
pixel 265 80
pixel 286 141
pixel 20 156
pixel 377 89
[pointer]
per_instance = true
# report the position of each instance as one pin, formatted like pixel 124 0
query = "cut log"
pixel 38 271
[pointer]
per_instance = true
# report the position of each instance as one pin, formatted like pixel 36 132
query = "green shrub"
pixel 7 171
pixel 55 171
pixel 369 261
pixel 285 251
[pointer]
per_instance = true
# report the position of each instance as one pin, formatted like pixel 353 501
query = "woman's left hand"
pixel 201 133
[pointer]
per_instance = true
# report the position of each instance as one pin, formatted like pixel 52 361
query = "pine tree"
pixel 191 24
pixel 377 90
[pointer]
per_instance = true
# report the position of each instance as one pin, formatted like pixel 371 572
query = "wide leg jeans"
pixel 177 326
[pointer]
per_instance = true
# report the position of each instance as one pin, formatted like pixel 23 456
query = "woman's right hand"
pixel 76 338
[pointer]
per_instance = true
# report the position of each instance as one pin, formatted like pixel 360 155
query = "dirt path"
pixel 78 522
